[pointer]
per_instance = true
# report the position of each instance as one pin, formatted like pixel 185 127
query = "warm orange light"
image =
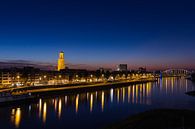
pixel 102 101
pixel 91 103
pixel 59 108
pixel 61 62
pixel 17 117
pixel 77 103
pixel 44 112
pixel 40 107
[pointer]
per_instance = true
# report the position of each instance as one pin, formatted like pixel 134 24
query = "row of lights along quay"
pixel 14 78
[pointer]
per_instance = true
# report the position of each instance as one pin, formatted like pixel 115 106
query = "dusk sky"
pixel 152 33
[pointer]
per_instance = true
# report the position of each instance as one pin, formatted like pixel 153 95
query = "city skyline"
pixel 113 66
pixel 157 35
pixel 97 64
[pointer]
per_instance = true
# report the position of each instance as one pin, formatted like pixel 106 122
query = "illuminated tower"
pixel 61 62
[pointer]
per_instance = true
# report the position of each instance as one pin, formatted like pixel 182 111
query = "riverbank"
pixel 158 119
pixel 90 87
pixel 79 86
pixel 45 91
pixel 193 77
pixel 191 93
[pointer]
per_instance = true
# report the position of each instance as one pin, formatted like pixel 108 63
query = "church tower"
pixel 61 62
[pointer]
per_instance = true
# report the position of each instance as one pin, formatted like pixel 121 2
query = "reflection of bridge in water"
pixel 176 73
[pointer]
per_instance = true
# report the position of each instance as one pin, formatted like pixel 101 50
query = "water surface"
pixel 96 109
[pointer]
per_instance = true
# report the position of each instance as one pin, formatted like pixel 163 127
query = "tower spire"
pixel 61 62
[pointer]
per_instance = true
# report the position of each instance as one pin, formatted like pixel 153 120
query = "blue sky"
pixel 99 32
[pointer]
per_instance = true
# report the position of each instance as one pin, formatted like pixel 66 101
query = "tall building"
pixel 61 62
pixel 122 67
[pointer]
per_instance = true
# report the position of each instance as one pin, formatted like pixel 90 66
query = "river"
pixel 97 109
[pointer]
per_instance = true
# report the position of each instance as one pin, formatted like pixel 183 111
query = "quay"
pixel 44 91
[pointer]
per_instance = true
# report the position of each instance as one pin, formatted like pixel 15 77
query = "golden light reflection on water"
pixel 17 117
pixel 40 107
pixel 87 96
pixel 172 84
pixel 66 99
pixel 96 94
pixel 102 102
pixel 55 104
pixel 44 112
pixel 91 103
pixel 77 103
pixel 144 89
pixel 129 91
pixel 123 92
pixel 59 108
pixel 133 94
pixel 12 116
pixel 138 94
pixel 166 84
pixel 118 95
pixel 147 90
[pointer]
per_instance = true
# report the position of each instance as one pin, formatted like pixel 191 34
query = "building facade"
pixel 122 67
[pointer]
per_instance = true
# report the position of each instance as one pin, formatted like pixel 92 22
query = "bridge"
pixel 176 73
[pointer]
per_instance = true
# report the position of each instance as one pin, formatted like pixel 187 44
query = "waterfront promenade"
pixel 56 89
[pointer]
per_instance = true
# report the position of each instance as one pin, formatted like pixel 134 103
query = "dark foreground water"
pixel 97 109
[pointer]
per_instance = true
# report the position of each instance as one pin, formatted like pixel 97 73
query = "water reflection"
pixel 59 108
pixel 99 101
pixel 135 94
pixel 118 95
pixel 65 100
pixel 44 112
pixel 91 103
pixel 77 103
pixel 129 91
pixel 16 117
pixel 55 104
pixel 102 102
pixel 40 107
pixel 111 95
pixel 123 92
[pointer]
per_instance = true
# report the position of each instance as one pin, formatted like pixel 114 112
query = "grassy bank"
pixel 158 119
pixel 191 93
